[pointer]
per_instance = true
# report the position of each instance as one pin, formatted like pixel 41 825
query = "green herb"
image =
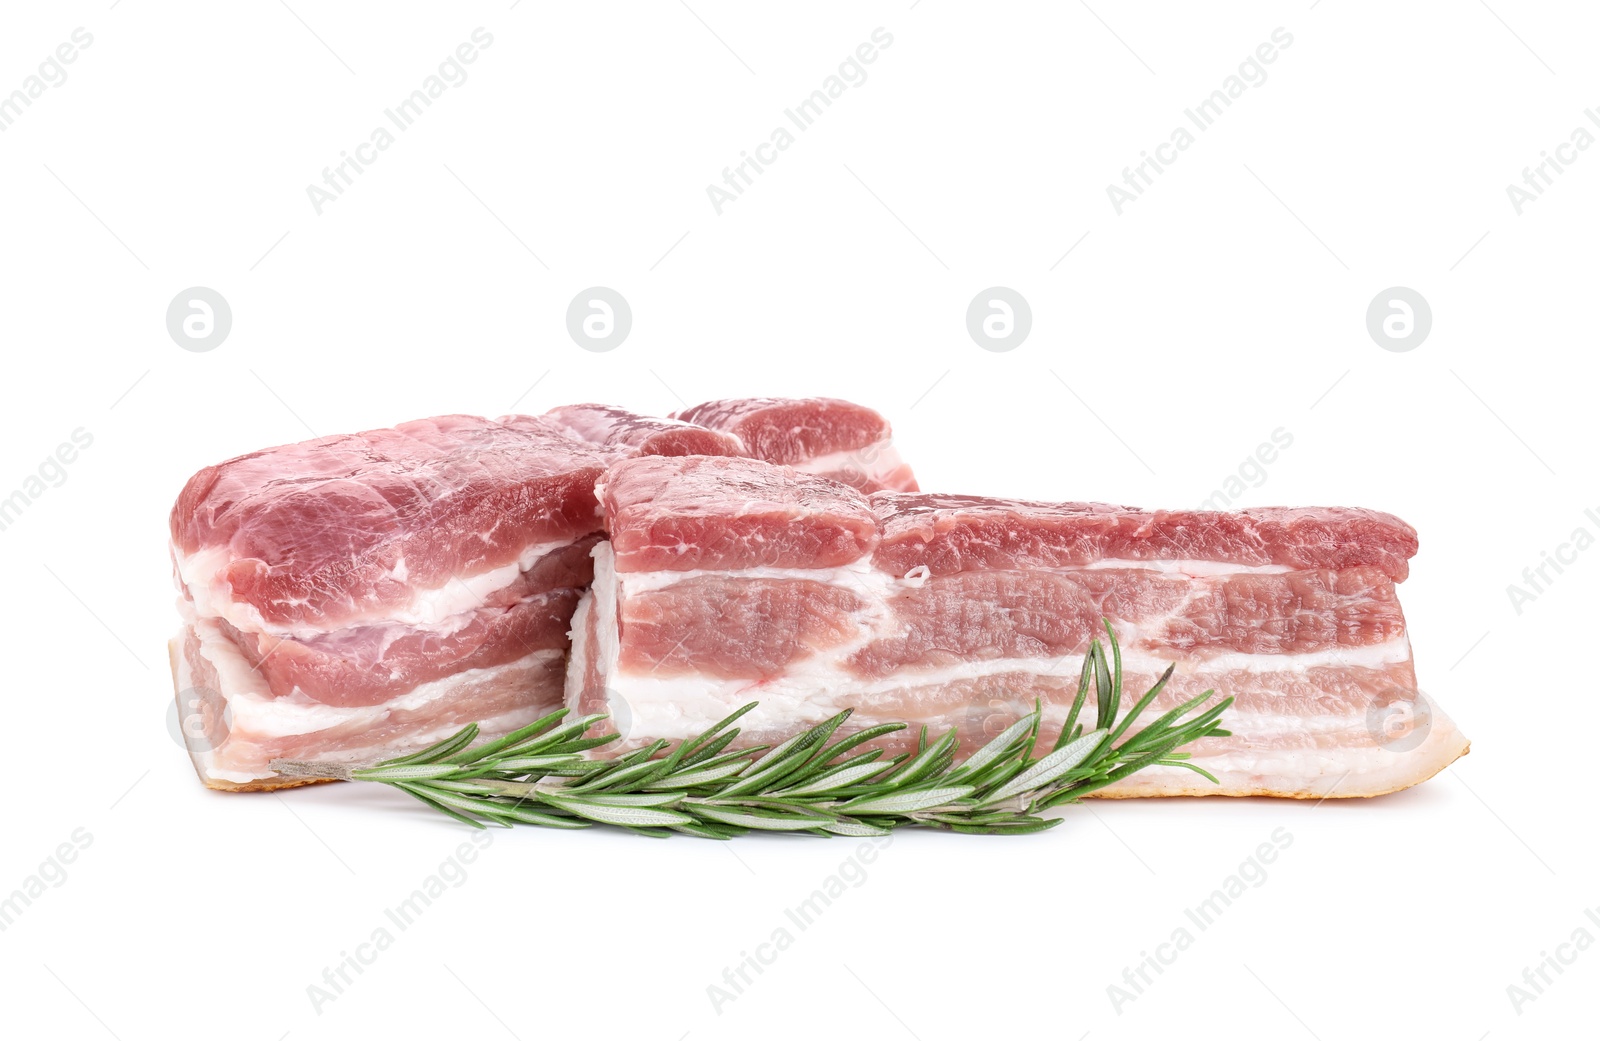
pixel 810 783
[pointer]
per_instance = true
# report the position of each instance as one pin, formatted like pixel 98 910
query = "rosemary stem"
pixel 311 769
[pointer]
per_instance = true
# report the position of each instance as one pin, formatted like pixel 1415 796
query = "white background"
pixel 1167 342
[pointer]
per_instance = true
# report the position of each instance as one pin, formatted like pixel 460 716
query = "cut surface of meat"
pixel 960 611
pixel 415 522
pixel 846 442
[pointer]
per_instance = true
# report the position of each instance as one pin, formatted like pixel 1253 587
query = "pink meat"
pixel 826 436
pixel 750 627
pixel 951 533
pixel 613 427
pixel 346 529
pixel 371 664
pixel 738 626
pixel 708 512
pixel 1006 615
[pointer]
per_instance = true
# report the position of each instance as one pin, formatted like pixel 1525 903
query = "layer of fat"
pixel 598 603
pixel 1357 769
pixel 252 708
pixel 875 462
pixel 1249 764
pixel 859 576
pixel 817 688
pixel 578 647
pixel 442 609
pixel 487 728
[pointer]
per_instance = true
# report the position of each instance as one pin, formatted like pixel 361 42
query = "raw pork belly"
pixel 824 436
pixel 730 580
pixel 356 596
pixel 360 596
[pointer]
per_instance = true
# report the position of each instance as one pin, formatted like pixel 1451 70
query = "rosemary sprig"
pixel 541 775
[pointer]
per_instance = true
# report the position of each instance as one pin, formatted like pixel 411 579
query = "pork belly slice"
pixel 1316 656
pixel 847 442
pixel 234 724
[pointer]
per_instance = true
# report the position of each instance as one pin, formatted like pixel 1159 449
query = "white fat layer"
pixel 254 710
pixel 1266 754
pixel 875 462
pixel 578 638
pixel 599 603
pixel 183 678
pixel 860 576
pixel 680 706
pixel 1354 768
pixel 442 609
pixel 826 678
pixel 488 728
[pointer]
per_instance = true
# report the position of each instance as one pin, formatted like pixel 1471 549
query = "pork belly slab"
pixel 360 596
pixel 364 594
pixel 727 580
